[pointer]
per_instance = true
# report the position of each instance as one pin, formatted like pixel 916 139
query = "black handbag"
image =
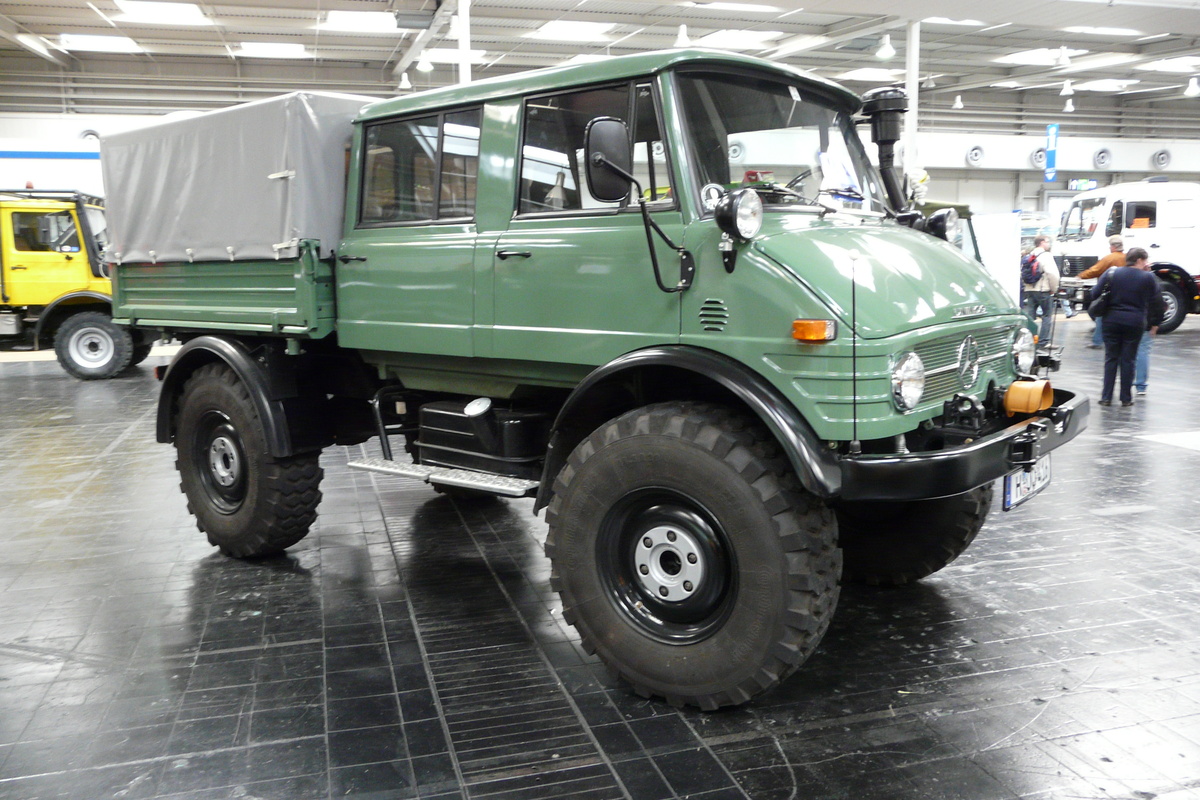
pixel 1099 307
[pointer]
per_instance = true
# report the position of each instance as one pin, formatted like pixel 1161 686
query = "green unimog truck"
pixel 667 295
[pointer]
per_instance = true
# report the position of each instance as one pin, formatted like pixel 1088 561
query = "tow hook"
pixel 1025 445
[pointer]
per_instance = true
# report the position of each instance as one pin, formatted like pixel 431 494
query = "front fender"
pixel 49 312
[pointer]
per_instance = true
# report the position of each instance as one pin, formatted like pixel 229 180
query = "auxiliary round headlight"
pixel 908 381
pixel 739 213
pixel 1024 351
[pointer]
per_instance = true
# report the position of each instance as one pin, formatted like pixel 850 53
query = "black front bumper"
pixel 920 476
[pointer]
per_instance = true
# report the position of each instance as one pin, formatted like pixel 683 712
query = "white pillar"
pixel 912 87
pixel 464 41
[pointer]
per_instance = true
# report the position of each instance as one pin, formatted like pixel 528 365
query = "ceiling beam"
pixel 28 41
pixel 441 19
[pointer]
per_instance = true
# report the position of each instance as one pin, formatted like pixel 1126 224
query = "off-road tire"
pixel 895 543
pixel 766 551
pixel 140 353
pixel 249 503
pixel 1176 306
pixel 90 346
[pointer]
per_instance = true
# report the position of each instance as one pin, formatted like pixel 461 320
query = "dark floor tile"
pixel 387 781
pixel 367 746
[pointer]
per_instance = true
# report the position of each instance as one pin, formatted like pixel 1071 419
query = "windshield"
pixel 787 143
pixel 1082 217
pixel 99 227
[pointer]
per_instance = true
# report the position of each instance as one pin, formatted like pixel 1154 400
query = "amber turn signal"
pixel 814 330
pixel 1026 397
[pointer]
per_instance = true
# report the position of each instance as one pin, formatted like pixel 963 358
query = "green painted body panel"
pixel 288 296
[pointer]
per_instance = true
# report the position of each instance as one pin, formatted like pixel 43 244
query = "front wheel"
pixel 90 346
pixel 248 502
pixel 1176 306
pixel 688 556
pixel 898 542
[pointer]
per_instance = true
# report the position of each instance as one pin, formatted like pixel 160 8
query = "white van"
pixel 1155 214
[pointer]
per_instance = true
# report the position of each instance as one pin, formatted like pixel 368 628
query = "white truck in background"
pixel 1157 215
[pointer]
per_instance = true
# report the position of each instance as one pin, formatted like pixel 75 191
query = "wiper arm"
pixel 845 191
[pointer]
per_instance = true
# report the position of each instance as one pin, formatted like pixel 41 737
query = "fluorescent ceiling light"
pixel 563 30
pixel 871 75
pixel 731 39
pixel 1180 64
pixel 98 44
pixel 272 50
pixel 452 55
pixel 798 43
pixel 751 7
pixel 947 21
pixel 1007 85
pixel 586 58
pixel 156 13
pixel 1087 29
pixel 1041 57
pixel 360 22
pixel 1106 85
pixel 34 43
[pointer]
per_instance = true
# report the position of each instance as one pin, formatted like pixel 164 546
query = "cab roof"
pixel 611 69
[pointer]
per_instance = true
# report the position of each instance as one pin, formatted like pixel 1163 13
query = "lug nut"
pixel 671 536
pixel 644 569
pixel 647 542
pixel 692 558
pixel 662 590
pixel 687 586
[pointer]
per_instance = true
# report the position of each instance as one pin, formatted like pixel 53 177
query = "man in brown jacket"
pixel 1115 258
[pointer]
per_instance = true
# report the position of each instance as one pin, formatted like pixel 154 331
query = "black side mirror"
pixel 609 158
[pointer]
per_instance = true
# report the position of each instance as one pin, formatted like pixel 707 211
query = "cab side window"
pixel 420 170
pixel 1115 218
pixel 1141 215
pixel 52 231
pixel 552 153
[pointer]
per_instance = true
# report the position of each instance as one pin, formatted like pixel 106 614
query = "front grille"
pixel 1070 266
pixel 940 357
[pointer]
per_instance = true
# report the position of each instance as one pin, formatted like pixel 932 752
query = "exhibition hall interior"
pixel 599 399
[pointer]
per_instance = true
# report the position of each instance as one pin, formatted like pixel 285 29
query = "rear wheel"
pixel 248 502
pixel 90 346
pixel 688 556
pixel 894 543
pixel 140 353
pixel 1176 306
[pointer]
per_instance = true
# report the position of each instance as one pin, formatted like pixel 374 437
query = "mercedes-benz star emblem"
pixel 968 362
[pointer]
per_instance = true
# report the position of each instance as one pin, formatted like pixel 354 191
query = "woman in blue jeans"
pixel 1133 295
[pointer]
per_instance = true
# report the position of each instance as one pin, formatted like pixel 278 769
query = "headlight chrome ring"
pixel 1024 351
pixel 908 381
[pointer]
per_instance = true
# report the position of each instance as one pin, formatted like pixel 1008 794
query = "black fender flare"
pixel 209 349
pixel 815 466
pixel 1177 275
pixel 48 312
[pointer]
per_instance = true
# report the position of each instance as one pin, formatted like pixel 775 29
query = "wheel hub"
pixel 224 461
pixel 670 563
pixel 91 346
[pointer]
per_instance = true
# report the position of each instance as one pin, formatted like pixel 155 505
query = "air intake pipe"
pixel 885 108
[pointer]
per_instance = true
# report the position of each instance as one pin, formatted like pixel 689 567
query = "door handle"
pixel 17 266
pixel 348 259
pixel 506 254
pixel 1153 246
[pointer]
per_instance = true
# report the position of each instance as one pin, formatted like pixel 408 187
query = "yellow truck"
pixel 54 286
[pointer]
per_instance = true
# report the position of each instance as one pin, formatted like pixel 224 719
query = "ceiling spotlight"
pixel 928 83
pixel 1067 91
pixel 682 40
pixel 424 64
pixel 957 105
pixel 1193 88
pixel 885 50
pixel 1064 58
pixel 405 83
pixel 1070 106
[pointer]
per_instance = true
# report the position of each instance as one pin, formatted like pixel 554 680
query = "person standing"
pixel 1154 318
pixel 1040 293
pixel 1115 258
pixel 1132 292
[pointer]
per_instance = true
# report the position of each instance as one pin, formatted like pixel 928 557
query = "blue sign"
pixel 1051 151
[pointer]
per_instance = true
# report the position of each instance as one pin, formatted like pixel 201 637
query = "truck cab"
pixel 54 285
pixel 1157 215
pixel 667 296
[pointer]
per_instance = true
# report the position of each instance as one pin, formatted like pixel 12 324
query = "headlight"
pixel 908 381
pixel 740 213
pixel 1024 351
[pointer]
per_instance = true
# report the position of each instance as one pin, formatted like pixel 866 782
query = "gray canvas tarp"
pixel 245 182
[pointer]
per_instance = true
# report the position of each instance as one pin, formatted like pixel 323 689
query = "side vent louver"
pixel 714 316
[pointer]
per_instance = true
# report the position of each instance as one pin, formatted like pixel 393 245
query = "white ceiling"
pixel 195 67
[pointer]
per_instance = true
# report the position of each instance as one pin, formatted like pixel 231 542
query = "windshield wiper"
pixel 849 192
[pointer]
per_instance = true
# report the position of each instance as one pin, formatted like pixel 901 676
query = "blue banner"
pixel 1051 151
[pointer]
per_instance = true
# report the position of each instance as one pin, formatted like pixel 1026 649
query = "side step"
pixel 485 482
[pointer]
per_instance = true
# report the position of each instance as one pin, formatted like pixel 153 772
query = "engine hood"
pixel 898 278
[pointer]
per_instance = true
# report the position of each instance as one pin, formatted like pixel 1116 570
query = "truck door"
pixel 43 257
pixel 573 282
pixel 1163 227
pixel 406 280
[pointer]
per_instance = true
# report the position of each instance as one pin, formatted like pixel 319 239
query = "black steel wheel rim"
pixel 220 461
pixel 666 564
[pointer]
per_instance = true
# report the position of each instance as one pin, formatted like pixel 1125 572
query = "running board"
pixel 483 481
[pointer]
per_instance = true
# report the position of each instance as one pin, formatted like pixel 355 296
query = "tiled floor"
pixel 411 647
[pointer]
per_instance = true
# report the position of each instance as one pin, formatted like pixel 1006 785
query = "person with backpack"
pixel 1039 282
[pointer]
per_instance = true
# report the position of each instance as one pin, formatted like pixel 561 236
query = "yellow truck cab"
pixel 54 287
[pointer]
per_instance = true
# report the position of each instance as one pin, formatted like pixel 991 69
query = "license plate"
pixel 1019 486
